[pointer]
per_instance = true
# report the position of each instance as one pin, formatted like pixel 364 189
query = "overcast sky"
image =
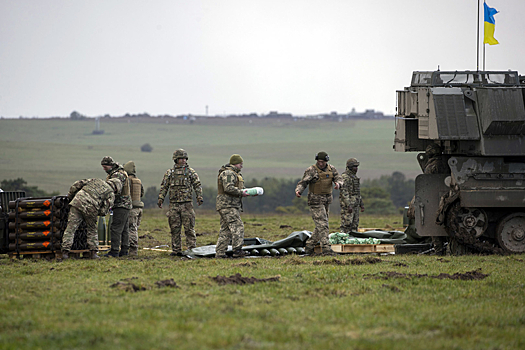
pixel 236 56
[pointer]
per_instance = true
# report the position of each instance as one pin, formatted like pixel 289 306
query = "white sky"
pixel 236 56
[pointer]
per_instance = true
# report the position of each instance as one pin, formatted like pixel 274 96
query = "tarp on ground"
pixel 297 239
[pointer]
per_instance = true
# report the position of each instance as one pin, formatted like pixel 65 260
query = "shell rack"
pixel 36 227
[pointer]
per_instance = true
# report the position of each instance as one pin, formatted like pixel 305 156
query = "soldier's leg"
pixel 74 220
pixel 120 218
pixel 92 231
pixel 133 230
pixel 345 223
pixel 124 244
pixel 321 226
pixel 175 221
pixel 224 235
pixel 188 220
pixel 236 228
pixel 355 218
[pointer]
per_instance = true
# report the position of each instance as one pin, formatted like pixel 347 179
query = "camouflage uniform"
pixel 121 208
pixel 89 198
pixel 319 182
pixel 229 205
pixel 181 181
pixel 350 197
pixel 436 164
pixel 135 214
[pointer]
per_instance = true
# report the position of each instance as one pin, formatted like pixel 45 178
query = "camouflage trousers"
pixel 232 230
pixel 320 216
pixel 135 217
pixel 119 230
pixel 349 221
pixel 75 218
pixel 182 214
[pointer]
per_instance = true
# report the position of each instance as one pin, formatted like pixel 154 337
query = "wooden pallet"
pixel 48 254
pixel 360 248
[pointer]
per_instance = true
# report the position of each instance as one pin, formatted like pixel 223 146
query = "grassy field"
pixel 347 302
pixel 53 153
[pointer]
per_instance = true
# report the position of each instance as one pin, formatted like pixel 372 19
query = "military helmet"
pixel 129 167
pixel 352 162
pixel 115 184
pixel 433 149
pixel 180 153
pixel 322 156
pixel 107 160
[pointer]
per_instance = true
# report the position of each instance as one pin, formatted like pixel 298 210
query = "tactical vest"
pixel 136 187
pixel 125 185
pixel 98 189
pixel 220 187
pixel 324 185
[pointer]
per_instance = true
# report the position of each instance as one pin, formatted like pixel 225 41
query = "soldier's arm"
pixel 229 179
pixel 164 186
pixel 77 186
pixel 344 194
pixel 308 177
pixel 197 186
pixel 338 179
pixel 141 191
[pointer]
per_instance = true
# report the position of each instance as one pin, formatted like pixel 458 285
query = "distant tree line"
pixel 387 195
pixel 20 184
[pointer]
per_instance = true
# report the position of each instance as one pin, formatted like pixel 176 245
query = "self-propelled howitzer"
pixel 471 127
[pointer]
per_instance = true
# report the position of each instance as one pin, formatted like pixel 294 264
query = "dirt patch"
pixel 238 279
pixel 128 286
pixel 253 224
pixel 392 288
pixel 167 283
pixel 285 226
pixel 356 261
pixel 400 264
pixel 294 260
pixel 467 276
pixel 443 260
pixel 198 234
pixel 146 236
pixel 246 264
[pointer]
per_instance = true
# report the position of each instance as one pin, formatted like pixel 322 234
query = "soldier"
pixel 181 181
pixel 121 208
pixel 350 197
pixel 88 199
pixel 230 185
pixel 319 178
pixel 135 215
pixel 437 164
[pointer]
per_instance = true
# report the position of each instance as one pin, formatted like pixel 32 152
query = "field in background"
pixel 348 302
pixel 53 153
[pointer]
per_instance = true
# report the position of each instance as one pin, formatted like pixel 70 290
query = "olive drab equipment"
pixel 136 189
pixel 475 120
pixel 324 184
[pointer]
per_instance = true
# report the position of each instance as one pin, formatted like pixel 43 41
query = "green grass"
pixel 317 304
pixel 54 153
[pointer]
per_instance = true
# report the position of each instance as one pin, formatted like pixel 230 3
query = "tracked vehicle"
pixel 477 118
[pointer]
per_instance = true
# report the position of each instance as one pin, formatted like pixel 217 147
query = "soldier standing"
pixel 88 199
pixel 119 225
pixel 135 215
pixel 350 197
pixel 319 178
pixel 230 185
pixel 180 181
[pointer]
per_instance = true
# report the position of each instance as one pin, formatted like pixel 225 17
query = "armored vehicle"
pixel 470 126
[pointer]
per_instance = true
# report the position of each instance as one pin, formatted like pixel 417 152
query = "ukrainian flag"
pixel 490 25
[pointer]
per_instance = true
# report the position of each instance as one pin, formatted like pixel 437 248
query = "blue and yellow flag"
pixel 490 25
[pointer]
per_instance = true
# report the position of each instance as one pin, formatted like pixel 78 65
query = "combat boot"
pixel 176 254
pixel 327 251
pixel 239 253
pixel 93 254
pixel 112 254
pixel 309 250
pixel 65 254
pixel 123 253
pixel 133 252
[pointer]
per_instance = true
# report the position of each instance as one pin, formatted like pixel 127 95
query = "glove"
pixel 199 200
pixel 159 203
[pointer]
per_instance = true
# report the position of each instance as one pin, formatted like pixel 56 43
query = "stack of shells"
pixel 38 224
